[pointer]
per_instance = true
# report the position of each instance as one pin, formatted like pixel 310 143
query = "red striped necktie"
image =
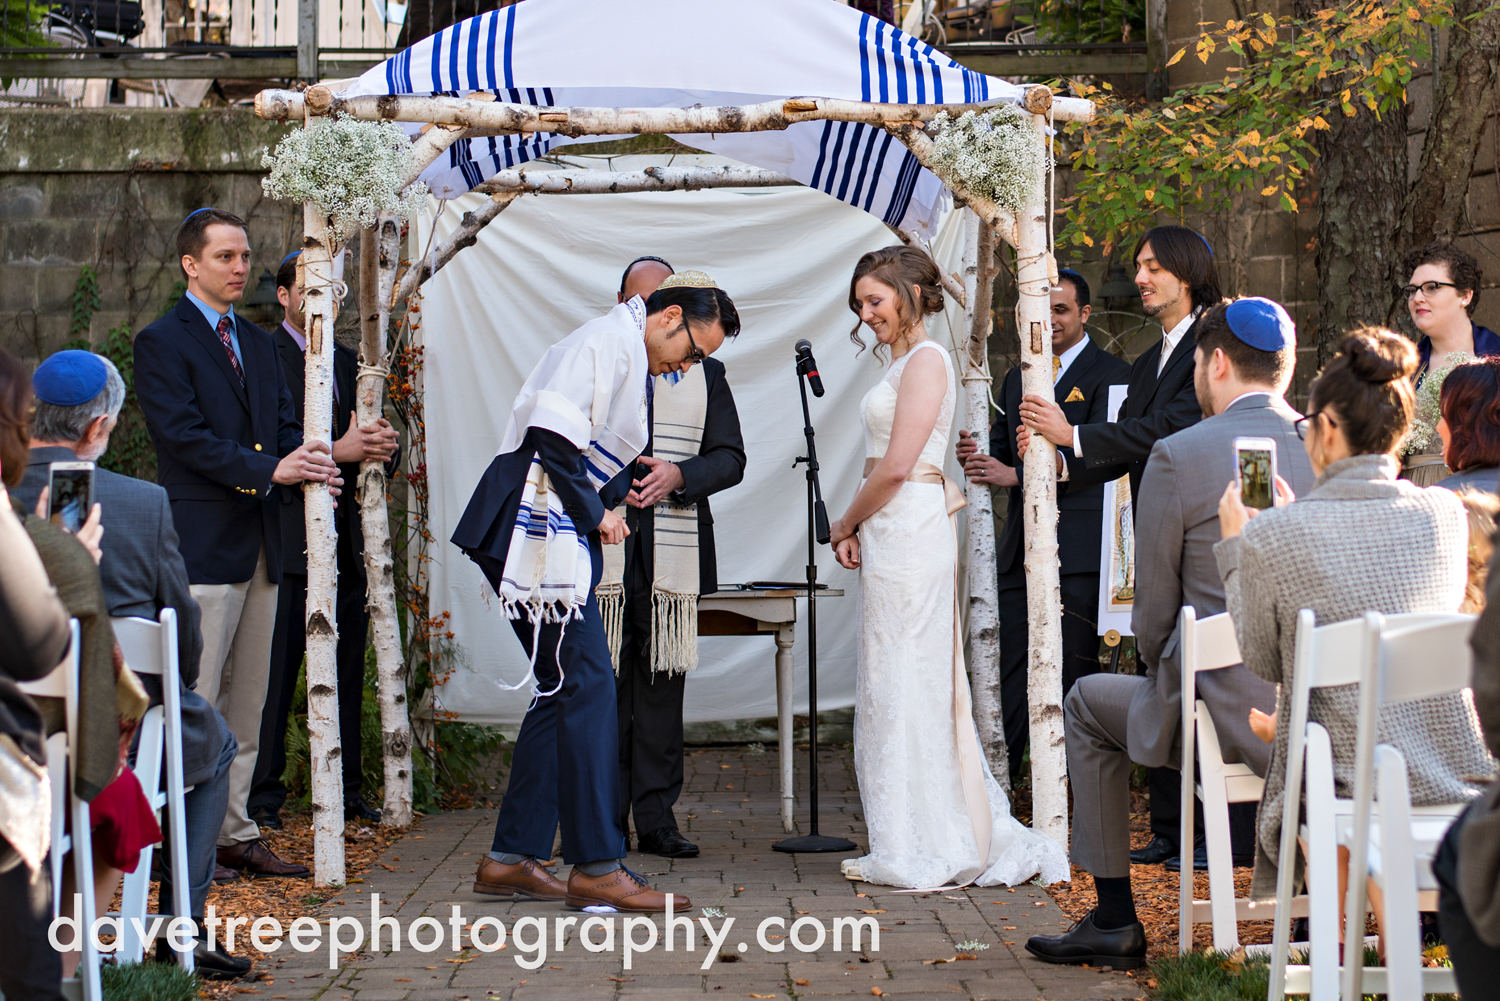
pixel 234 361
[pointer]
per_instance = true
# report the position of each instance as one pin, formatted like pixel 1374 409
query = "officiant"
pixel 649 593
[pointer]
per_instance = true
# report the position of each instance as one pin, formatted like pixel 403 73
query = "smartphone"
pixel 1255 465
pixel 70 494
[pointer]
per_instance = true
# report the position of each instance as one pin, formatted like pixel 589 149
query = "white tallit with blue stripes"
pixel 590 387
pixel 681 53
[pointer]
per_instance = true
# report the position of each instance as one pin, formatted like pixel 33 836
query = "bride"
pixel 933 811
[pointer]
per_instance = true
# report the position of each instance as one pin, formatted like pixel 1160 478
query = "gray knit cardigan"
pixel 1361 540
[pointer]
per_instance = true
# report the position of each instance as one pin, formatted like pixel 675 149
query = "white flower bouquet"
pixel 995 153
pixel 350 169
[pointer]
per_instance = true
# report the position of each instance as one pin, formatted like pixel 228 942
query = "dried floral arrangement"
pixel 994 154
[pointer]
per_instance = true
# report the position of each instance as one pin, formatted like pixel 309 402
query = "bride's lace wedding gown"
pixel 929 798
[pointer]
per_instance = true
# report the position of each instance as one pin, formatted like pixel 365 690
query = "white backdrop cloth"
pixel 551 262
pixel 683 53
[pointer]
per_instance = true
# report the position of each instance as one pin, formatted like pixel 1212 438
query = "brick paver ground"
pixel 730 807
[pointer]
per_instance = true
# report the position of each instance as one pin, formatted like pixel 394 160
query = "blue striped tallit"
pixel 680 53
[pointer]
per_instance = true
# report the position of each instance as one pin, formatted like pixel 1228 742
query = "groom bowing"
pixel 536 525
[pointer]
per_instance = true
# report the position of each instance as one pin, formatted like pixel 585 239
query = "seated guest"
pixel 33 639
pixel 1469 402
pixel 1360 540
pixel 1441 296
pixel 1483 509
pixel 78 400
pixel 1243 363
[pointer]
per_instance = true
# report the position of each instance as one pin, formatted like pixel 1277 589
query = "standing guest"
pixel 1441 296
pixel 665 572
pixel 227 442
pixel 1361 540
pixel 1245 353
pixel 79 395
pixel 565 461
pixel 1178 281
pixel 352 445
pixel 1469 429
pixel 34 637
pixel 1081 377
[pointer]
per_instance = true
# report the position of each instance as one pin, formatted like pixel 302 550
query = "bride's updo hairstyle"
pixel 1368 386
pixel 899 268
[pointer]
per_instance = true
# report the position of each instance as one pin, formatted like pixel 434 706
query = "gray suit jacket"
pixel 143 572
pixel 1176 527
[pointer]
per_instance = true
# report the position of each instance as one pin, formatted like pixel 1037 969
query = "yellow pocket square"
pixel 1074 397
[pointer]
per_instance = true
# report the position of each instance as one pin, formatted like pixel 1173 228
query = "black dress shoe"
pixel 667 842
pixel 266 819
pixel 1120 948
pixel 1200 858
pixel 211 964
pixel 355 808
pixel 1157 852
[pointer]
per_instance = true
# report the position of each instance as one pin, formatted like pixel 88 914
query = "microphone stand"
pixel 817 532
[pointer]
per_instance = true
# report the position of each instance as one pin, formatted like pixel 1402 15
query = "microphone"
pixel 806 366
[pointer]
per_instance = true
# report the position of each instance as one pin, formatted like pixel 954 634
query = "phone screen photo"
pixel 1257 472
pixel 71 487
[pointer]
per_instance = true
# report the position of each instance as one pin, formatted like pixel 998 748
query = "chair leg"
pixel 83 874
pixel 1322 870
pixel 1401 926
pixel 1220 864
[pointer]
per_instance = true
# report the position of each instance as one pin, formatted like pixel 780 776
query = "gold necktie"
pixel 1056 367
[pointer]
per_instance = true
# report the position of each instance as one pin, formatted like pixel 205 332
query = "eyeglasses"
pixel 1426 288
pixel 695 354
pixel 1301 424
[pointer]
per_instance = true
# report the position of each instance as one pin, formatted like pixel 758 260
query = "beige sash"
pixel 965 733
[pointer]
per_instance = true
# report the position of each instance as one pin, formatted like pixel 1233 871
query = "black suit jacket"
pixel 346 517
pixel 217 442
pixel 1078 505
pixel 719 465
pixel 142 572
pixel 1154 408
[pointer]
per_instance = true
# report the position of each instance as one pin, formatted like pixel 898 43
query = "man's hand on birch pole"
pixel 1046 418
pixel 981 468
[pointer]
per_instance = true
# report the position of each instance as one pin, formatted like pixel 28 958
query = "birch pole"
pixel 984 622
pixel 1035 272
pixel 320 304
pixel 379 257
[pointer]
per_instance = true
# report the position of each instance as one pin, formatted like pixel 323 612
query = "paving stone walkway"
pixel 730 807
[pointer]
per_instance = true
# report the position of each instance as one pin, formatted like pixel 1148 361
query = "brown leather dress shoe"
pixel 527 878
pixel 223 875
pixel 254 858
pixel 623 890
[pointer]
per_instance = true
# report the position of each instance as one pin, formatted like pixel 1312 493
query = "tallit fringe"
pixel 674 626
pixel 611 599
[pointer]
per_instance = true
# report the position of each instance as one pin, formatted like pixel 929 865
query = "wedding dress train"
pixel 929 798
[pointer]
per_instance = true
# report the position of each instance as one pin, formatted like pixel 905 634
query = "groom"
pixel 535 526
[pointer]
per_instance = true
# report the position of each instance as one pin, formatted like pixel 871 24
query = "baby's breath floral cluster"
pixel 1424 423
pixel 995 153
pixel 349 168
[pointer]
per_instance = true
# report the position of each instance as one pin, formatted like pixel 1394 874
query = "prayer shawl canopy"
pixel 685 53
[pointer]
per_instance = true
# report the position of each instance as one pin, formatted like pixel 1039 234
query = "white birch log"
pixel 503 117
pixel 427 147
pixel 1034 275
pixel 599 182
pixel 380 254
pixel 984 620
pixel 465 236
pixel 320 305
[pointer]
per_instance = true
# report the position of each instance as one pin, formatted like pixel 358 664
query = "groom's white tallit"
pixel 590 388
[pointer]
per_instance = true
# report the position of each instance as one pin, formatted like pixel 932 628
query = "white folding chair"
pixel 1326 656
pixel 150 648
pixel 1388 838
pixel 62 749
pixel 1211 645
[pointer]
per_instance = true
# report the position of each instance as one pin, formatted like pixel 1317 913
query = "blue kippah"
pixel 1261 323
pixel 205 208
pixel 70 378
pixel 288 257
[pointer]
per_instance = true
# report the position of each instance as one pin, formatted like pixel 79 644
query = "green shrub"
pixel 148 982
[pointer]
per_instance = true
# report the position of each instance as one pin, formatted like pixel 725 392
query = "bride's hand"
pixel 838 532
pixel 847 552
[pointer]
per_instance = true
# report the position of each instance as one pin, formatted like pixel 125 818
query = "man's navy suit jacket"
pixel 1078 506
pixel 217 442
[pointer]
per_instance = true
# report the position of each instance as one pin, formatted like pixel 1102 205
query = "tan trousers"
pixel 238 622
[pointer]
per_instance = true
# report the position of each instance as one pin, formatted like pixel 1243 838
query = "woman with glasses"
pixel 1360 540
pixel 1441 295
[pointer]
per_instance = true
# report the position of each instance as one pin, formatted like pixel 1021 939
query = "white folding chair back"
pixel 150 648
pixel 62 749
pixel 1389 839
pixel 1209 645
